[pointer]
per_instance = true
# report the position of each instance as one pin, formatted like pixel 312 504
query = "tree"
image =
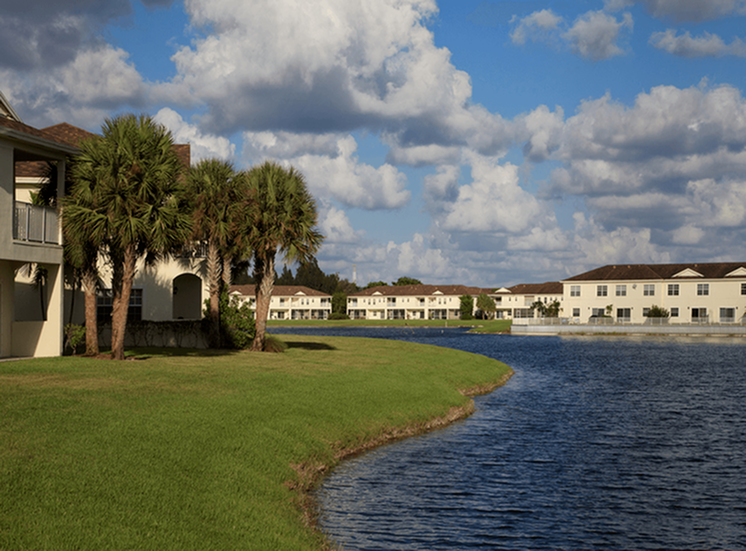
pixel 487 305
pixel 658 312
pixel 283 220
pixel 216 192
pixel 130 202
pixel 406 281
pixel 550 310
pixel 467 306
pixel 376 284
pixel 339 303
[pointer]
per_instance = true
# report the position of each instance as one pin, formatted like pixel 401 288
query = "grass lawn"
pixel 478 326
pixel 199 450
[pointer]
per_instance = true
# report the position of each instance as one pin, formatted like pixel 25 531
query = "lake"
pixel 621 443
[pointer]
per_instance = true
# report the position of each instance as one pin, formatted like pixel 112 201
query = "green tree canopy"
pixel 283 219
pixel 467 307
pixel 487 305
pixel 406 281
pixel 129 202
pixel 376 284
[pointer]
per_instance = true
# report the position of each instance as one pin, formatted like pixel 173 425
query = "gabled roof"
pixel 278 291
pixel 419 290
pixel 25 133
pixel 6 109
pixel 628 272
pixel 548 288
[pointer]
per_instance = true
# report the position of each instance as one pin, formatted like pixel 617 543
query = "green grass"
pixel 196 450
pixel 478 326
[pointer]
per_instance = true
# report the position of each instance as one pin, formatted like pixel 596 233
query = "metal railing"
pixel 36 224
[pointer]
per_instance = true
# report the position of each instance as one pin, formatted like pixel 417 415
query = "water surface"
pixel 618 443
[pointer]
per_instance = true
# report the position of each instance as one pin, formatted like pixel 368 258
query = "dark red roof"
pixel 548 288
pixel 712 270
pixel 416 290
pixel 278 291
pixel 31 131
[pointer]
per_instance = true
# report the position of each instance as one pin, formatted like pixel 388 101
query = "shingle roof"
pixel 417 290
pixel 19 127
pixel 714 270
pixel 548 288
pixel 278 291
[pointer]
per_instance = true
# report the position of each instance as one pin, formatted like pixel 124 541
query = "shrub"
pixel 74 337
pixel 338 316
pixel 273 344
pixel 658 312
pixel 236 322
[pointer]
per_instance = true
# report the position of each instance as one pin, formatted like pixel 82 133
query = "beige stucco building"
pixel 289 302
pixel 411 302
pixel 31 319
pixel 692 293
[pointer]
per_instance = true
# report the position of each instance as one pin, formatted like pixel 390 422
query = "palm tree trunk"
pixel 213 278
pixel 122 289
pixel 264 273
pixel 227 276
pixel 89 280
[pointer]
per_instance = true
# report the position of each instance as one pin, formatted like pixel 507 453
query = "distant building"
pixel 289 302
pixel 692 293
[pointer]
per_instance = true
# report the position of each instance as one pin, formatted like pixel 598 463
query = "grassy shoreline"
pixel 476 326
pixel 199 450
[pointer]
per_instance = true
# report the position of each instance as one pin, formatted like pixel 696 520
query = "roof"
pixel 278 291
pixel 24 131
pixel 627 272
pixel 419 290
pixel 548 288
pixel 6 109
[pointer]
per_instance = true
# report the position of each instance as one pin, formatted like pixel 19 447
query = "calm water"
pixel 594 442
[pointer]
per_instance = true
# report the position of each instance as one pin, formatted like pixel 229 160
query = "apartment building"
pixel 289 302
pixel 691 293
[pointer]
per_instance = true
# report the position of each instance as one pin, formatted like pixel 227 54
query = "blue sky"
pixel 477 142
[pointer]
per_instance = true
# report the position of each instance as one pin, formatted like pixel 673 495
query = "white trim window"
pixel 621 290
pixel 703 289
pixel 673 289
pixel 648 290
pixel 674 312
pixel 602 290
pixel 574 290
pixel 743 288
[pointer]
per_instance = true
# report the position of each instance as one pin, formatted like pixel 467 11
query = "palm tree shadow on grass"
pixel 310 345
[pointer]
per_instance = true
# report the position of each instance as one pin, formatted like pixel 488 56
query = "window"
pixel 648 290
pixel 105 304
pixel 727 315
pixel 674 312
pixel 673 289
pixel 743 288
pixel 699 314
pixel 576 312
pixel 645 312
pixel 598 312
pixel 602 290
pixel 621 290
pixel 574 290
pixel 703 289
pixel 624 314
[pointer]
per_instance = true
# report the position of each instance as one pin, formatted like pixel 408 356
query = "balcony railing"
pixel 36 224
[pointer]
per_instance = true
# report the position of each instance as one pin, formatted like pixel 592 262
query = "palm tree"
pixel 283 219
pixel 216 192
pixel 130 202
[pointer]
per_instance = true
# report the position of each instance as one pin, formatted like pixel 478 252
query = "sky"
pixel 476 142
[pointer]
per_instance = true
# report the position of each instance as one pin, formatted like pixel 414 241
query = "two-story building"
pixel 30 238
pixel 691 293
pixel 289 302
pixel 411 302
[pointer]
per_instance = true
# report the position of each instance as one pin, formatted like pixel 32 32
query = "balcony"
pixel 36 224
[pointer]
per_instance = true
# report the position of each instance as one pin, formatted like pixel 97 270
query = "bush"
pixel 338 316
pixel 273 344
pixel 74 337
pixel 657 312
pixel 236 322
